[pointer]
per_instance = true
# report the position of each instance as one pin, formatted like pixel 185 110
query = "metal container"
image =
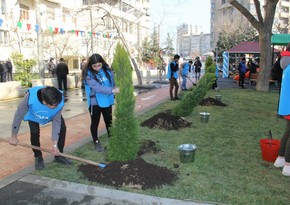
pixel 187 153
pixel 204 116
pixel 218 98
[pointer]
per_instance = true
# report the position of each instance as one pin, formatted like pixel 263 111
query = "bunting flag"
pixel 57 30
pixel 36 28
pixel 28 26
pixel 225 65
pixel 19 24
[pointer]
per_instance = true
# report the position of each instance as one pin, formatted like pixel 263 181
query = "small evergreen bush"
pixel 123 144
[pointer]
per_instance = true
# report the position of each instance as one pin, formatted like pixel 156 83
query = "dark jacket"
pixel 61 69
pixel 197 66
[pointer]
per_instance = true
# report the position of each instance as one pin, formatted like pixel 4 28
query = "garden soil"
pixel 139 174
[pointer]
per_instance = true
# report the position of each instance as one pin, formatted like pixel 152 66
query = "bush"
pixel 23 69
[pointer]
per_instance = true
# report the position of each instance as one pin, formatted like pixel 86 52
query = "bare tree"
pixel 263 23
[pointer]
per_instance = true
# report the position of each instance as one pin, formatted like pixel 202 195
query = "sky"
pixel 172 13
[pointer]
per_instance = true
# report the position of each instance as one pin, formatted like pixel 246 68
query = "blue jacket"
pixel 185 69
pixel 99 92
pixel 172 70
pixel 38 112
pixel 284 102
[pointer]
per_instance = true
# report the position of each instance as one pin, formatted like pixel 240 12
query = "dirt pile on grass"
pixel 211 101
pixel 136 174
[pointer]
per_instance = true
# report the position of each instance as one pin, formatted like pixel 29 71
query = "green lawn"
pixel 228 165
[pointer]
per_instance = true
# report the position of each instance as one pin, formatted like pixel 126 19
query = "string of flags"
pixel 57 30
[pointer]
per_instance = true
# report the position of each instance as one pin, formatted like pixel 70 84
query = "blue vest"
pixel 284 106
pixel 103 100
pixel 38 112
pixel 170 73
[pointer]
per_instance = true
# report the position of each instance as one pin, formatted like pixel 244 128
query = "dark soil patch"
pixel 211 101
pixel 148 146
pixel 165 121
pixel 136 174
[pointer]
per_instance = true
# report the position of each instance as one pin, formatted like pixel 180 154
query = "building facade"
pixel 223 14
pixel 191 41
pixel 72 29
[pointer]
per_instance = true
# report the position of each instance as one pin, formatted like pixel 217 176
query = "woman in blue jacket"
pixel 100 89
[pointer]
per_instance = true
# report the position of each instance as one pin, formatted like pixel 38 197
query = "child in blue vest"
pixel 42 105
pixel 100 90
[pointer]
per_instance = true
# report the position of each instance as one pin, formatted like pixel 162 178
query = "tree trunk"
pixel 265 61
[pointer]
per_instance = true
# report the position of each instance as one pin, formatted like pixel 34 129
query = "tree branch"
pixel 258 10
pixel 246 13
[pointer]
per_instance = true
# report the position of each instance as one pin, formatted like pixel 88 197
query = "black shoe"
pixel 62 160
pixel 39 165
pixel 176 98
pixel 98 147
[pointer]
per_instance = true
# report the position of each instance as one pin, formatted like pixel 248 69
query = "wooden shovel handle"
pixel 59 154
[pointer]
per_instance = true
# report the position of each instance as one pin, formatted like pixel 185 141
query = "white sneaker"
pixel 286 170
pixel 280 162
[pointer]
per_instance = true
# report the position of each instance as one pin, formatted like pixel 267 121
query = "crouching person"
pixel 41 105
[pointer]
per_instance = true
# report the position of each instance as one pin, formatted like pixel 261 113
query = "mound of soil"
pixel 211 101
pixel 136 174
pixel 165 121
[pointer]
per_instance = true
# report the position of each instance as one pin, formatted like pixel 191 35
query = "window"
pixel 3 6
pixel 24 12
pixel 75 63
pixel 4 38
pixel 223 1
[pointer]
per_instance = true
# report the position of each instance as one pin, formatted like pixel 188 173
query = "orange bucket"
pixel 269 148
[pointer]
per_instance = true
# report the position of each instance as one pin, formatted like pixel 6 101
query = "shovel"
pixel 59 154
pixel 191 81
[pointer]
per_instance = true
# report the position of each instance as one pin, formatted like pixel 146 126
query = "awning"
pixel 280 39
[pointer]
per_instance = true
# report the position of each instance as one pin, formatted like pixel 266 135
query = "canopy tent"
pixel 280 39
pixel 245 48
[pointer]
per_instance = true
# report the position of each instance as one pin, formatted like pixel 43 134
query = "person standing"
pixel 61 73
pixel 172 75
pixel 41 105
pixel 283 159
pixel 5 71
pixel 184 74
pixel 197 68
pixel 242 72
pixel 100 90
pixel 10 68
pixel 51 68
pixel 1 73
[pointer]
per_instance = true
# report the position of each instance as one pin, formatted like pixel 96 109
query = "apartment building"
pixel 72 29
pixel 223 14
pixel 191 41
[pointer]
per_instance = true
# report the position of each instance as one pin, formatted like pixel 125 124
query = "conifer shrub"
pixel 123 144
pixel 195 96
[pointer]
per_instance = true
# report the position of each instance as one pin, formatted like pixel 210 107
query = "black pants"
pixel 62 79
pixel 241 80
pixel 35 135
pixel 285 143
pixel 95 112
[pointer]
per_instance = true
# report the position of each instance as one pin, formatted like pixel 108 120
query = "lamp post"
pixel 39 11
